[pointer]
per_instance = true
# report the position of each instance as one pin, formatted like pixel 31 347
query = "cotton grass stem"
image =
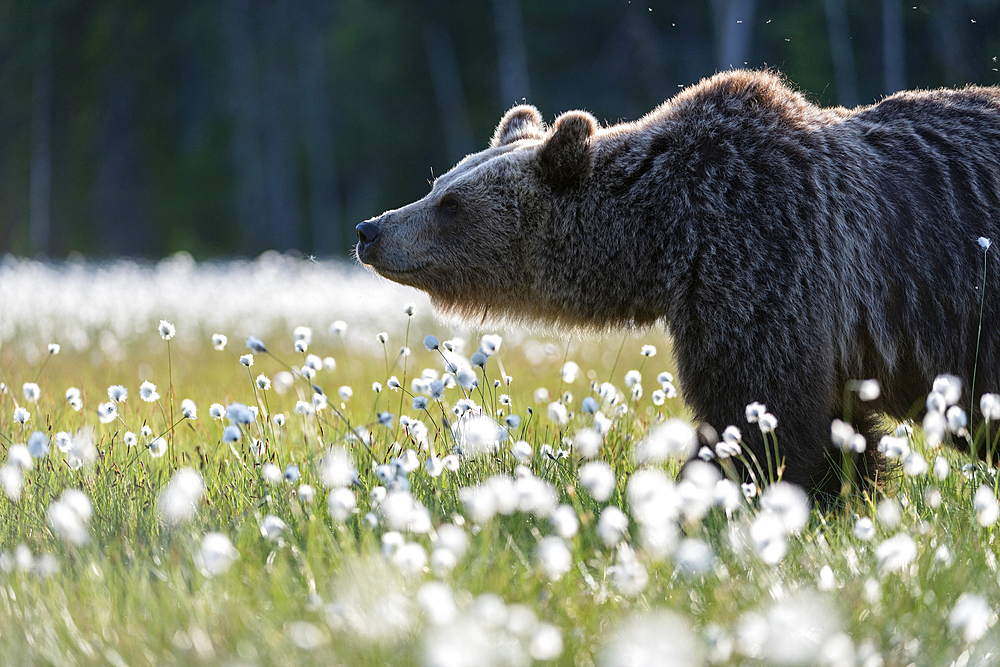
pixel 170 397
pixel 985 245
pixel 617 357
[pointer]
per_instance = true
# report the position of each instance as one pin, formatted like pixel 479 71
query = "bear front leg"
pixel 795 380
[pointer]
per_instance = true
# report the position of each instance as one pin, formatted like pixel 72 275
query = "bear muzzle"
pixel 368 233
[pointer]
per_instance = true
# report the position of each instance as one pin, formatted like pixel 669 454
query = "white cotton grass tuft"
pixel 587 442
pixel 73 398
pixel 767 422
pixel 167 330
pixel 554 557
pixel 769 538
pixel 864 529
pixel 894 447
pixel 565 521
pixel 693 557
pixel 628 575
pixel 754 411
pixel 612 526
pixel 955 419
pixel 79 450
pixel 843 437
pixel 789 503
pixel 158 447
pixel 869 390
pixel 569 372
pixel 38 445
pixel 949 387
pixel 12 473
pixel 522 451
pixel 337 468
pixel 490 344
pixel 730 445
pixel 889 512
pixel 216 554
pixel 941 468
pixel 986 507
pixel 239 413
pixel 477 433
pixel 272 528
pixel 341 503
pixel 653 639
pixel 803 629
pixel 12 481
pixel 673 439
pixel 914 464
pixel 69 517
pixel 31 392
pixel 21 416
pixel 271 473
pixel 255 344
pixel 598 478
pixel 370 601
pixel 20 456
pixel 305 493
pixel 896 553
pixel 148 393
pixel 989 405
pixel 972 616
pixel 178 501
pixel 107 412
pixel 558 414
pixel 410 558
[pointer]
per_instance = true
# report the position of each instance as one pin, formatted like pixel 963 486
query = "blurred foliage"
pixel 143 127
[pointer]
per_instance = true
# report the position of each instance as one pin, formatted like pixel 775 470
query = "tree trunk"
pixel 317 130
pixel 448 90
pixel 842 52
pixel 283 219
pixel 734 21
pixel 893 47
pixel 40 183
pixel 511 55
pixel 244 102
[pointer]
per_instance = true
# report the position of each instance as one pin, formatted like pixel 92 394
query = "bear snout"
pixel 367 234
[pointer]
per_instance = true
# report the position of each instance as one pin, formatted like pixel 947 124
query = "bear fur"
pixel 788 248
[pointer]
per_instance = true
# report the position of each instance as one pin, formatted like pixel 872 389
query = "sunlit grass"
pixel 698 574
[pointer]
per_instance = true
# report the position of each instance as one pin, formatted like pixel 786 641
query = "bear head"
pixel 475 242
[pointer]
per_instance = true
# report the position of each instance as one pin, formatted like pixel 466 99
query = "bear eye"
pixel 449 204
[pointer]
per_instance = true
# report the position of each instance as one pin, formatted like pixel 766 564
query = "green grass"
pixel 324 593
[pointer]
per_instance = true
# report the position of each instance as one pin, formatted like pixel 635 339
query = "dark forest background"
pixel 143 127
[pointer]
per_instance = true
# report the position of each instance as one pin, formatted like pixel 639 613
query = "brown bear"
pixel 788 248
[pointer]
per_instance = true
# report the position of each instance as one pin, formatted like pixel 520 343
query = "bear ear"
pixel 565 157
pixel 521 122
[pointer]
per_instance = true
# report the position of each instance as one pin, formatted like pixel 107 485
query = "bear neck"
pixel 611 256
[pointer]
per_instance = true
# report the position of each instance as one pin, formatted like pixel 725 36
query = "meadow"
pixel 286 462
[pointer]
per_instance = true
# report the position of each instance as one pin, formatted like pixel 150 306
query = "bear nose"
pixel 367 233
